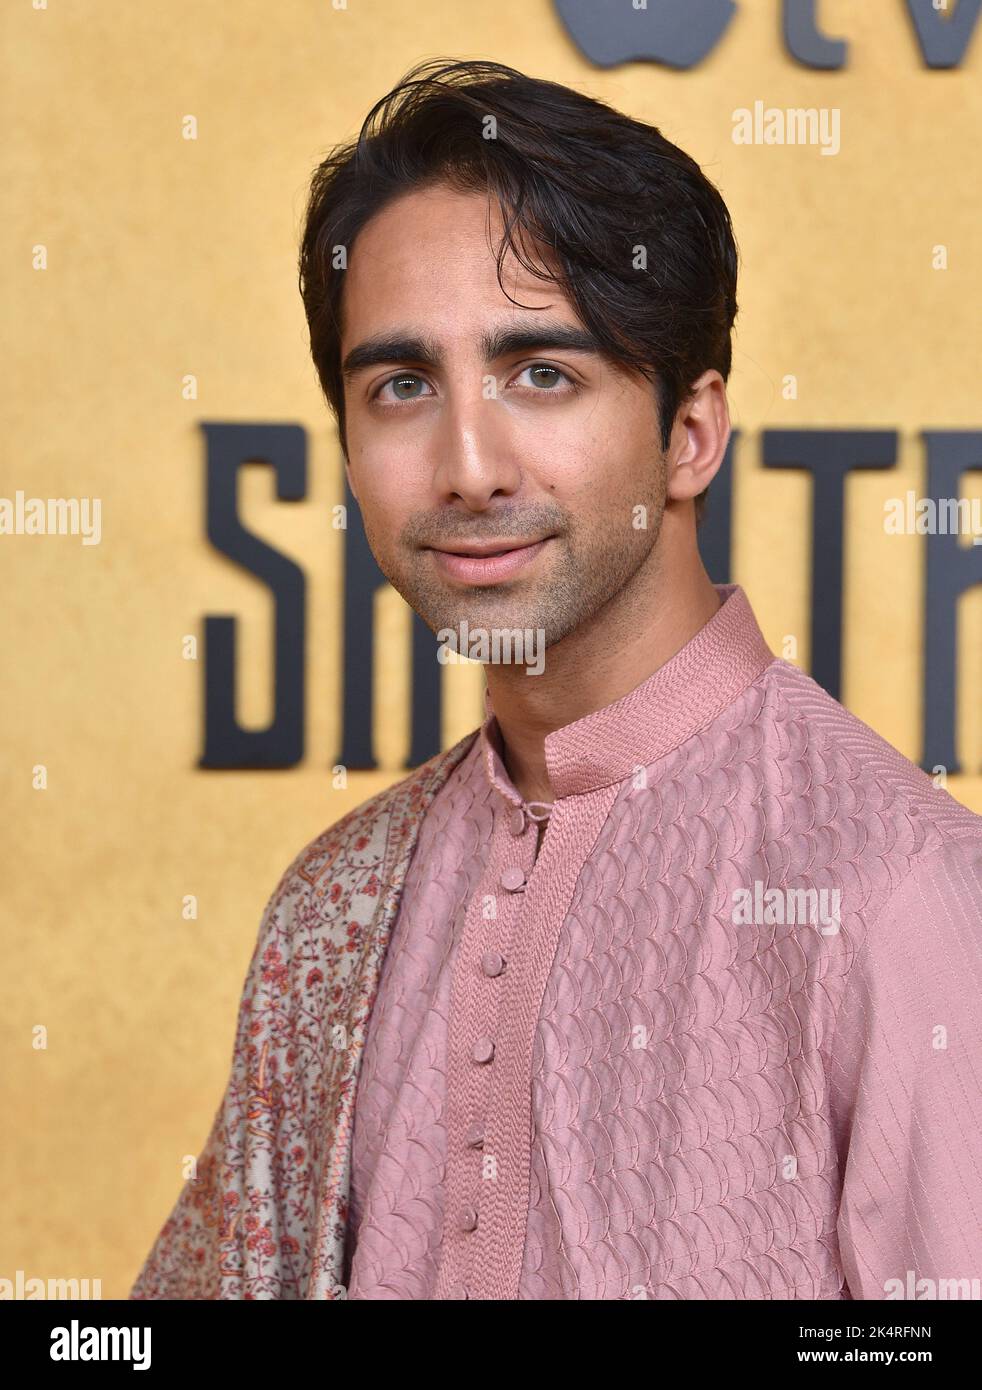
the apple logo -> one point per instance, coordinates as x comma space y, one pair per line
678, 33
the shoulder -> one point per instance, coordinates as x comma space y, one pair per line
857, 769
918, 964
936, 908
910, 1011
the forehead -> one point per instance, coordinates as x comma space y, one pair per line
430, 258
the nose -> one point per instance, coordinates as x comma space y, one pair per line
475, 455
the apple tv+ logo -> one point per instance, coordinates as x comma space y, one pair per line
681, 33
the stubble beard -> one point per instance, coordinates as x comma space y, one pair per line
580, 577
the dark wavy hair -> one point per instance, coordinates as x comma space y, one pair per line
590, 184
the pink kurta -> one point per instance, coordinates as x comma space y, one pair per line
720, 1038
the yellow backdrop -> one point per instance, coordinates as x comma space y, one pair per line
166, 258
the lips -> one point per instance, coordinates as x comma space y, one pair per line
487, 562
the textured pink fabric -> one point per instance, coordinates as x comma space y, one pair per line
602, 1081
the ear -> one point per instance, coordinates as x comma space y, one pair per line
699, 438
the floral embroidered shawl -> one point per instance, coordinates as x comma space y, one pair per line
267, 1213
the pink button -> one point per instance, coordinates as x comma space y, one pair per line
516, 821
492, 962
512, 879
459, 1291
483, 1049
468, 1219
474, 1138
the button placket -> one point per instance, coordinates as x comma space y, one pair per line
512, 878
492, 964
486, 949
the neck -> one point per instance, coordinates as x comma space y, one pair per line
651, 619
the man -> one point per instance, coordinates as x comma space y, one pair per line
665, 984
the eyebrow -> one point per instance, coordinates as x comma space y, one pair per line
497, 342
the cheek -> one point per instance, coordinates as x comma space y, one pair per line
383, 499
381, 445
609, 485
587, 470
388, 493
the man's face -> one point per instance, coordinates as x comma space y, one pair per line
462, 441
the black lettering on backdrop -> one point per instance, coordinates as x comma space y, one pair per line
681, 33
805, 43
828, 455
944, 33
952, 569
362, 579
284, 448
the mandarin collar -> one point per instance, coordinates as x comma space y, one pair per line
682, 697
